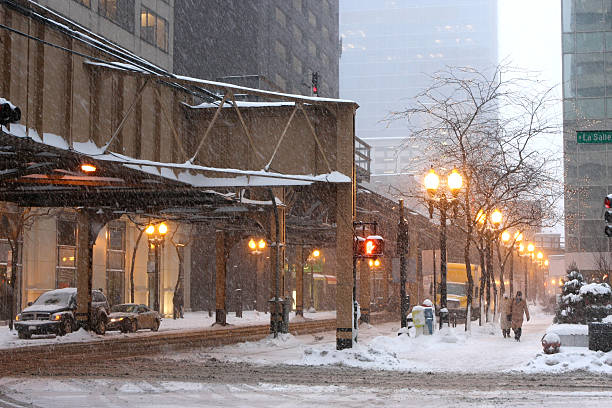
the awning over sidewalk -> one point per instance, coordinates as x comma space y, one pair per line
46, 172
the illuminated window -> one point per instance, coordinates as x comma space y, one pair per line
153, 29
120, 12
65, 275
115, 262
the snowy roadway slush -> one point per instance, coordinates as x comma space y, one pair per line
448, 369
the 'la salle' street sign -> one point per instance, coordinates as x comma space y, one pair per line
594, 136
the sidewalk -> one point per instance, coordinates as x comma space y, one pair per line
380, 348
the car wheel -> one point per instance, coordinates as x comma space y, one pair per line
133, 326
156, 326
24, 335
100, 326
66, 327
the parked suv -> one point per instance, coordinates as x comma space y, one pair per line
54, 313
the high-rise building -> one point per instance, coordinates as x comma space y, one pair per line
274, 44
587, 127
144, 27
389, 47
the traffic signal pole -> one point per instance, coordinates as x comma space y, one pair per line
403, 247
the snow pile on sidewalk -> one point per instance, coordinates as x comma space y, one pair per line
362, 356
566, 329
570, 359
385, 352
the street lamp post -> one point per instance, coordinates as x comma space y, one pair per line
436, 197
530, 249
490, 231
156, 234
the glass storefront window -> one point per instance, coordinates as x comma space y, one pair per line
65, 273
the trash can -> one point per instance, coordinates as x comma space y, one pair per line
429, 319
600, 336
429, 316
444, 317
418, 318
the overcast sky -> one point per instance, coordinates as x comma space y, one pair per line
530, 37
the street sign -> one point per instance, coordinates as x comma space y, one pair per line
594, 136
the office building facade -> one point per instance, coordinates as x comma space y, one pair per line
389, 48
274, 44
587, 127
144, 27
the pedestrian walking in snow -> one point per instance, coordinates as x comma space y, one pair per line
505, 317
519, 306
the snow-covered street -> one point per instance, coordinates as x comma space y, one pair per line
59, 393
451, 368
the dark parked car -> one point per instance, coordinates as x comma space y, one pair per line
130, 317
54, 313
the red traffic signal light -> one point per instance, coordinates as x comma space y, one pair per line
608, 201
371, 247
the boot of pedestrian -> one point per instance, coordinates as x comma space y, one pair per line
504, 333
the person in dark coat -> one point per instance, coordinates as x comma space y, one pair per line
519, 307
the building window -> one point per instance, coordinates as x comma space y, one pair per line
280, 50
115, 262
86, 3
312, 48
297, 33
312, 19
65, 276
297, 65
153, 29
280, 17
280, 82
120, 12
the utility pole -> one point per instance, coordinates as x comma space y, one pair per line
403, 245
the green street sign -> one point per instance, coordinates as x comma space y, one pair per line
594, 136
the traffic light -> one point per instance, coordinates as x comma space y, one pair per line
9, 114
608, 215
315, 83
370, 247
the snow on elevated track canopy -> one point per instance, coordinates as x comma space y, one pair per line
188, 173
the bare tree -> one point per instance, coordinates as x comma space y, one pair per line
484, 126
14, 220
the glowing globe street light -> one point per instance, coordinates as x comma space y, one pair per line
439, 198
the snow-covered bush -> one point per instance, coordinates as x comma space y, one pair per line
571, 306
597, 300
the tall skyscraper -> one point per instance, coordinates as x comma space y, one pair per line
587, 127
274, 44
389, 47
